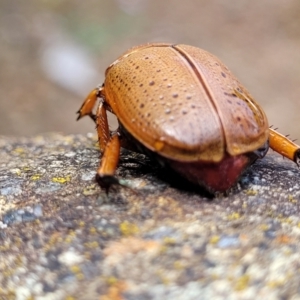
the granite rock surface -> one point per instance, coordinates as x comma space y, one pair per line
62, 237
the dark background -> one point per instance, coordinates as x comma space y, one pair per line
53, 52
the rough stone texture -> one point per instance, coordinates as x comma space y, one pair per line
61, 237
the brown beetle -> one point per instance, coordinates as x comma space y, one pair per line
181, 105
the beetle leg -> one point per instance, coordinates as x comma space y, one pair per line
105, 173
89, 103
284, 146
102, 127
110, 145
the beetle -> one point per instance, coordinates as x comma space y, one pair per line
183, 107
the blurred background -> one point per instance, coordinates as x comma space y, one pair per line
53, 52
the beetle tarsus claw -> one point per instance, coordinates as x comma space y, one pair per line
93, 117
79, 115
297, 158
105, 181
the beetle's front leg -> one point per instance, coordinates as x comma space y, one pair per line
110, 149
89, 103
109, 162
102, 127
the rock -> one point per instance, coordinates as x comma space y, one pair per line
61, 236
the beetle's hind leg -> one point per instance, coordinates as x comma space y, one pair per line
284, 146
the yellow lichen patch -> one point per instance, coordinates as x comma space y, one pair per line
127, 228
89, 190
242, 282
70, 237
169, 241
25, 169
75, 269
19, 150
93, 230
292, 199
178, 265
61, 179
282, 219
92, 245
55, 238
234, 216
163, 249
251, 192
162, 201
111, 280
264, 227
276, 283
36, 177
214, 239
81, 223
77, 272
